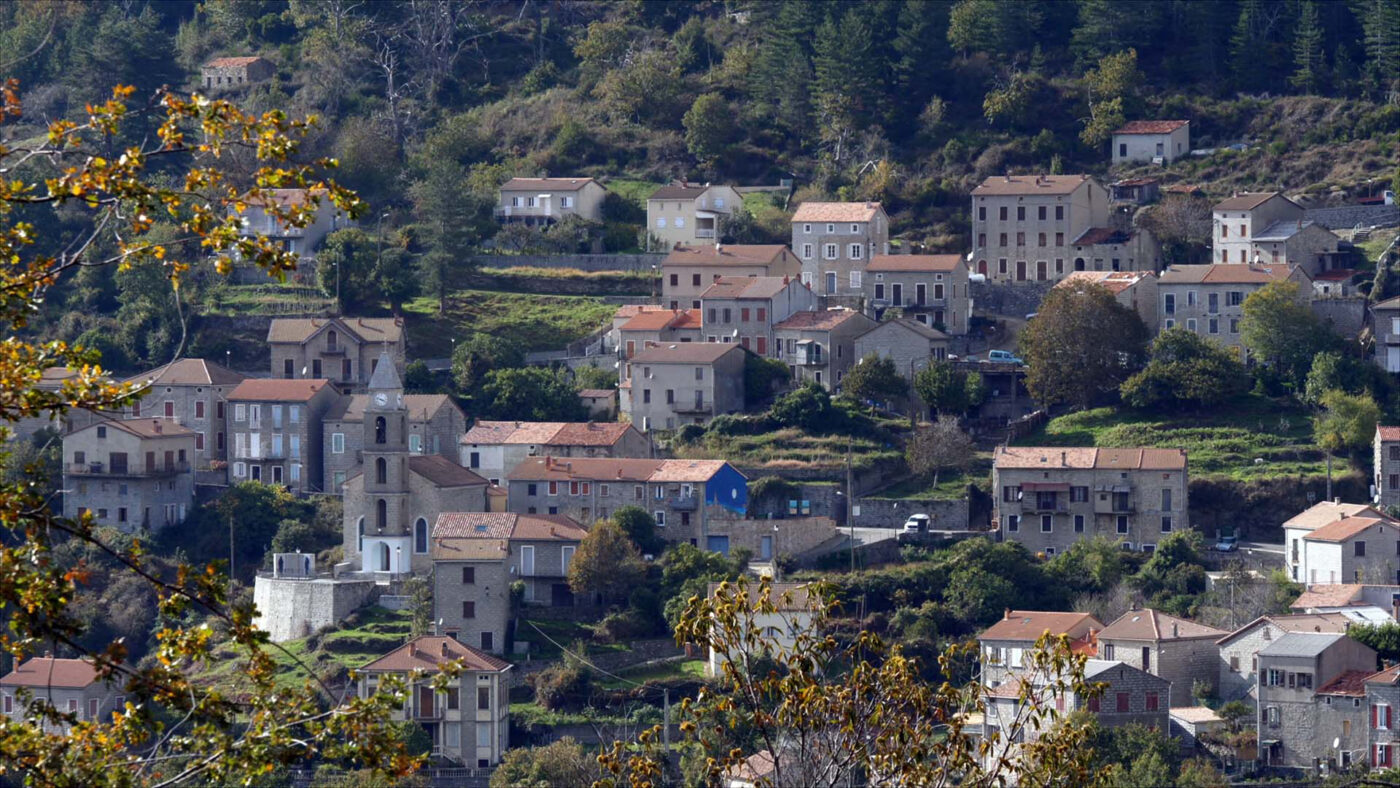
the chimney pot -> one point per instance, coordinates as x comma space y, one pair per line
1007, 614
444, 648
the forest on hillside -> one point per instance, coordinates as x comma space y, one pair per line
430, 104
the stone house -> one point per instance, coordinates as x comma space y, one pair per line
930, 288
260, 219
669, 386
1208, 300
435, 424
1341, 719
1114, 249
1268, 228
911, 345
469, 723
477, 556
795, 610
1158, 141
194, 393
1349, 598
277, 432
658, 327
689, 214
1361, 548
1309, 520
1180, 651
1023, 226
1190, 723
1385, 323
743, 310
70, 686
1049, 498
1383, 726
134, 474
1135, 191
1127, 696
769, 539
1291, 670
601, 404
1239, 650
542, 201
1385, 453
835, 241
222, 73
820, 346
688, 271
493, 448
343, 349
682, 495
1005, 644
1136, 290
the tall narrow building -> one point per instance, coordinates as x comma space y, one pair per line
387, 541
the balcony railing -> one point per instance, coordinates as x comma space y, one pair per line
704, 233
102, 469
333, 350
688, 503
694, 408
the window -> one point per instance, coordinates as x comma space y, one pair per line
1001, 213
1079, 523
240, 470
337, 443
1380, 716
1360, 549
1235, 664
415, 444
468, 575
856, 251
1013, 523
420, 536
806, 251
1122, 702
1213, 326
830, 229
1059, 239
1166, 525
829, 251
1272, 717
981, 213
1020, 239
1122, 524
855, 277
807, 228
554, 488
660, 518
1047, 523
468, 610
1059, 213
1002, 238
1040, 239
1092, 704
483, 698
1151, 701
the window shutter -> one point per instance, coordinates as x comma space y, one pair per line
1374, 709
1387, 717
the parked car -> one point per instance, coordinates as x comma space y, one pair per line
1227, 544
1003, 357
916, 524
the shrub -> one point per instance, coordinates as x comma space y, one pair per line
562, 687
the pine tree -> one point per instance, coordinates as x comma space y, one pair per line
1380, 23
1245, 55
1307, 50
920, 46
782, 71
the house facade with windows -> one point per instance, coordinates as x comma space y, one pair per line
1137, 290
260, 219
542, 201
223, 73
1048, 498
194, 393
1023, 226
1362, 548
1179, 650
435, 424
658, 327
1269, 228
1385, 324
1319, 515
835, 241
688, 214
910, 344
1004, 645
1292, 714
469, 723
477, 556
276, 432
743, 310
795, 611
668, 386
134, 474
930, 288
1208, 300
1115, 249
1385, 454
1126, 696
1151, 140
689, 271
820, 346
69, 686
682, 495
1382, 698
343, 349
493, 448
1239, 650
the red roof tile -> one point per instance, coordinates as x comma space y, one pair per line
1352, 682
915, 262
427, 652
278, 389
684, 353
814, 320
730, 254
1031, 624
1150, 126
1389, 433
51, 672
836, 211
1347, 528
443, 472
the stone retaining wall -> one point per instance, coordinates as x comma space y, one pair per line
1016, 299
583, 262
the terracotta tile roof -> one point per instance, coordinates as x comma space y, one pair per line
1320, 622
504, 525
1389, 433
1049, 457
51, 672
278, 389
813, 320
908, 324
420, 407
652, 321
756, 767
1245, 201
687, 470
1351, 682
512, 432
1150, 126
230, 62
1009, 689
1335, 275
144, 427
1114, 281
728, 254
1347, 528
1225, 273
1011, 185
543, 528
1328, 595
1031, 624
786, 597
551, 184
933, 263
1387, 676
678, 191
628, 311
1141, 459
366, 329
603, 469
1097, 236
443, 472
836, 211
689, 318
746, 287
593, 433
190, 372
1150, 624
684, 353
1195, 715
427, 652
1324, 512
597, 393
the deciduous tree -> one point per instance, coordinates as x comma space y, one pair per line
1347, 422
943, 445
532, 394
606, 563
1279, 329
1185, 371
1081, 345
875, 378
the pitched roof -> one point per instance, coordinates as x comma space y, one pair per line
1388, 433
814, 320
1281, 231
679, 191
504, 525
684, 353
552, 184
443, 472
1195, 714
1031, 624
687, 470
927, 332
1225, 273
836, 211
1097, 236
746, 287
1150, 126
549, 433
1387, 676
1319, 622
627, 311
592, 433
1328, 595
1006, 185
597, 393
1113, 281
1150, 624
603, 469
1324, 512
1056, 457
284, 198
1141, 459
933, 263
1301, 644
1389, 303
725, 254
1347, 528
366, 329
51, 672
189, 372
1351, 682
754, 768
278, 389
786, 597
419, 406
230, 62
1245, 201
427, 652
144, 427
385, 376
653, 321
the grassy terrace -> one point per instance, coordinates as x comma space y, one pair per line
788, 448
633, 191
1223, 442
272, 298
537, 322
951, 484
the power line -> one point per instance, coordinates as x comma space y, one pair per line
585, 661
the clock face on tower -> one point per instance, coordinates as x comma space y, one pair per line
381, 399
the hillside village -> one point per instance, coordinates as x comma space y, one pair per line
1133, 417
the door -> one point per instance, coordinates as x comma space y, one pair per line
527, 561
1020, 270
117, 460
765, 549
920, 294
897, 295
717, 544
383, 557
256, 471
1040, 270
831, 283
488, 641
763, 346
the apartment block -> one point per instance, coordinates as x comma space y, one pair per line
929, 288
277, 432
134, 474
1385, 324
1268, 228
910, 344
835, 241
69, 686
820, 346
688, 271
342, 349
1023, 226
1208, 300
1239, 650
669, 386
743, 310
1179, 650
493, 448
1005, 644
194, 393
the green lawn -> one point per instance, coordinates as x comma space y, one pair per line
1224, 441
537, 322
271, 298
633, 191
951, 484
688, 669
788, 448
1380, 239
565, 633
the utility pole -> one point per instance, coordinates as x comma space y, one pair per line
230, 551
1329, 475
851, 504
666, 722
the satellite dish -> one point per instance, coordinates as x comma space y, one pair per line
736, 333
1337, 743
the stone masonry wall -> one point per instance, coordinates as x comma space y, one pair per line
583, 262
1011, 300
290, 609
947, 515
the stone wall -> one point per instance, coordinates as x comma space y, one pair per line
290, 609
584, 286
1008, 299
583, 262
1346, 315
947, 515
791, 536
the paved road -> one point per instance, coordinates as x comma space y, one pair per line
1262, 547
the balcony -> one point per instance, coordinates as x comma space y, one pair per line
683, 503
698, 408
333, 350
127, 471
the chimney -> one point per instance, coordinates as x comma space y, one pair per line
1337, 500
719, 248
1007, 615
1174, 629
444, 647
155, 424
1064, 457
